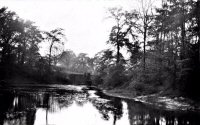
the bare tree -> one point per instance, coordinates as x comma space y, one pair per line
145, 18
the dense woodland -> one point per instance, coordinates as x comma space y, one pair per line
163, 45
19, 48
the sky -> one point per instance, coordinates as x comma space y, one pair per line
85, 22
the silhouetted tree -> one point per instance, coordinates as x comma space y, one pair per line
18, 42
120, 31
54, 38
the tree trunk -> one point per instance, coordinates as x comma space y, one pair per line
118, 46
6, 52
198, 25
183, 48
50, 57
118, 52
50, 51
144, 47
23, 52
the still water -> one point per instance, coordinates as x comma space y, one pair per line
79, 105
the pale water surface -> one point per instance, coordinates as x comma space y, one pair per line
79, 105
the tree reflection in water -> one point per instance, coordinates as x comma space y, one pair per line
57, 106
140, 114
6, 102
113, 106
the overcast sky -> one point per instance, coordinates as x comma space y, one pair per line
84, 21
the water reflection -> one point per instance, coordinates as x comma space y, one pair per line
50, 106
140, 114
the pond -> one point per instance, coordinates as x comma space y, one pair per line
80, 105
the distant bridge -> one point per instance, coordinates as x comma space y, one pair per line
79, 78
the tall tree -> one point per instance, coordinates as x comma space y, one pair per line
19, 41
145, 18
54, 37
9, 31
196, 25
28, 43
119, 33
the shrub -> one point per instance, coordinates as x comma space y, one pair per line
116, 76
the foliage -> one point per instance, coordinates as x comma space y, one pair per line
116, 76
120, 32
171, 48
76, 64
19, 48
55, 44
163, 46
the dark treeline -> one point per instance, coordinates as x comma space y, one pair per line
163, 45
19, 49
164, 48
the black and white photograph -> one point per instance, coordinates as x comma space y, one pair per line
99, 62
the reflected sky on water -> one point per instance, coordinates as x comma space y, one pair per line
60, 106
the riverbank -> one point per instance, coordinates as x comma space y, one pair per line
20, 80
159, 100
